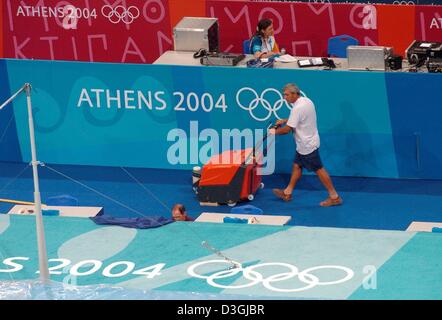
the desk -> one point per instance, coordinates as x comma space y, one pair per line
185, 58
65, 211
259, 219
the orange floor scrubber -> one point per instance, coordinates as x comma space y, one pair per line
230, 177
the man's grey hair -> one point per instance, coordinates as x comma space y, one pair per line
293, 88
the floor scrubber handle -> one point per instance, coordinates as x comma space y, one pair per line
270, 126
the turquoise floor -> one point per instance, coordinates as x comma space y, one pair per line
276, 262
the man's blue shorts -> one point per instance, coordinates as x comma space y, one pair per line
311, 161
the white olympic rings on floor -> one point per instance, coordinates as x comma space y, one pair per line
255, 277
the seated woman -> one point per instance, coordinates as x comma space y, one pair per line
262, 43
179, 213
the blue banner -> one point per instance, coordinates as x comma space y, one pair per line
175, 117
9, 146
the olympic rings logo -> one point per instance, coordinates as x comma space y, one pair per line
411, 3
255, 277
259, 100
120, 13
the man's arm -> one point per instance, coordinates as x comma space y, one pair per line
281, 130
260, 55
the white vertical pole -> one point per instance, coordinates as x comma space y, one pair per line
42, 254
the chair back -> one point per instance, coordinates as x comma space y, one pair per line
246, 47
337, 46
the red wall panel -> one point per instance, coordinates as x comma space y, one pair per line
1, 29
396, 26
139, 31
302, 28
429, 23
100, 30
179, 9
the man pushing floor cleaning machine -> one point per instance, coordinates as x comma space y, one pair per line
231, 177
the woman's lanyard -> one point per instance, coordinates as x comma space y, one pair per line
267, 45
